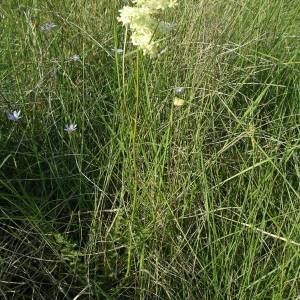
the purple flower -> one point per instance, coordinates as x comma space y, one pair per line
179, 90
118, 51
14, 116
70, 128
48, 26
75, 57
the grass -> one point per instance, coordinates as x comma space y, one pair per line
147, 200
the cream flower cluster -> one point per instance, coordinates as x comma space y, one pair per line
156, 4
142, 23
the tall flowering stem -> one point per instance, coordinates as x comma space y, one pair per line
142, 23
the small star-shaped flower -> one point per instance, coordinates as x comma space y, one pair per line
118, 51
70, 128
48, 26
75, 57
179, 90
14, 116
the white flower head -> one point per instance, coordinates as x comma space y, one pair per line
70, 128
14, 116
48, 26
118, 50
179, 90
75, 57
134, 16
143, 23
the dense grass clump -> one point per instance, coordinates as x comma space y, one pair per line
147, 200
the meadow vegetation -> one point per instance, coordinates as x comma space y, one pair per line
145, 199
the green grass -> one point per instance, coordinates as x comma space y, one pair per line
147, 200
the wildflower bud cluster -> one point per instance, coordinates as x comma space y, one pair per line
141, 21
